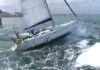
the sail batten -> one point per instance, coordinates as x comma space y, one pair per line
35, 13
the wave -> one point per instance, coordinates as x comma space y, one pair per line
9, 50
91, 56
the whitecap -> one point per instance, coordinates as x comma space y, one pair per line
83, 43
90, 57
13, 48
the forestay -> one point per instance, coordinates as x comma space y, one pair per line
36, 15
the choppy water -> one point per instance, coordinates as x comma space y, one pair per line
57, 55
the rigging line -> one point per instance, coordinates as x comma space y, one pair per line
74, 14
46, 3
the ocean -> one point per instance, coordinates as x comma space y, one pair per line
60, 54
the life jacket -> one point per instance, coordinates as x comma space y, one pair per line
19, 40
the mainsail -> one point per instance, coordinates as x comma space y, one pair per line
36, 14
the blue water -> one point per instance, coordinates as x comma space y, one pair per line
57, 55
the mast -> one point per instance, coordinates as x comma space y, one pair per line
74, 14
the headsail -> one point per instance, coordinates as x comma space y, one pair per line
35, 13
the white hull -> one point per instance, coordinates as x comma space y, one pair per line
57, 32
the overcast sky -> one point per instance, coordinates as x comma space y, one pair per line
58, 6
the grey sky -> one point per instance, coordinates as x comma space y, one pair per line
79, 6
58, 6
10, 5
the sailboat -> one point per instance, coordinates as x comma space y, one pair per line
39, 26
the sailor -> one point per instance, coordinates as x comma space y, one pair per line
18, 39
